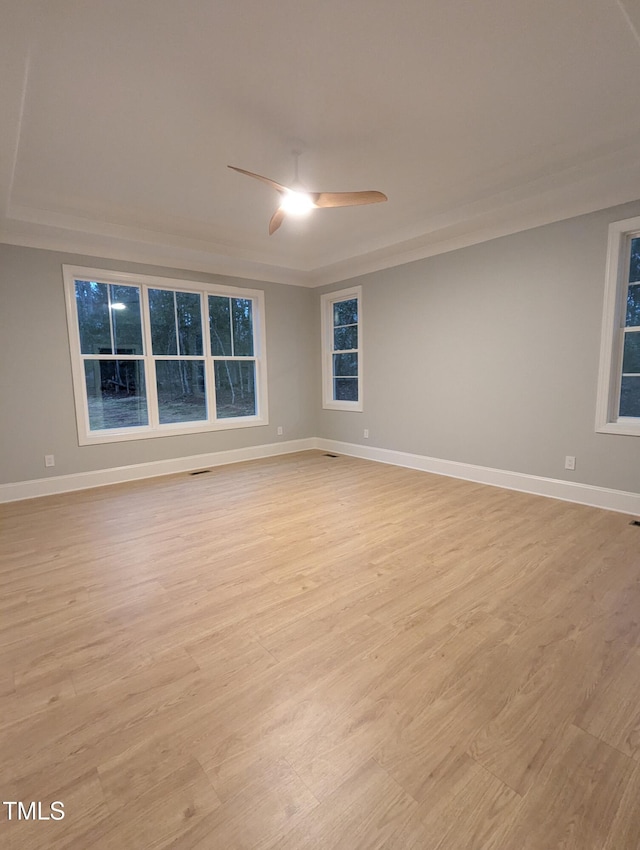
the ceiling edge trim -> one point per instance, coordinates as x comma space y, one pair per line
595, 194
492, 224
47, 237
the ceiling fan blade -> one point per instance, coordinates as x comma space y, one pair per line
277, 186
346, 199
276, 220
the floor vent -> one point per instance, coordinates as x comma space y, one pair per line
200, 472
635, 522
331, 455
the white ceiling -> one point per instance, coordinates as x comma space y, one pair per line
119, 118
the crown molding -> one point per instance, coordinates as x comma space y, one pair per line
153, 250
577, 191
555, 198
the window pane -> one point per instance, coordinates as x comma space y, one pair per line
633, 306
220, 325
189, 323
345, 364
634, 265
345, 312
630, 396
92, 302
344, 338
235, 388
115, 393
125, 316
181, 393
242, 327
163, 321
631, 359
345, 389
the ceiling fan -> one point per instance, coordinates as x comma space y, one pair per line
295, 201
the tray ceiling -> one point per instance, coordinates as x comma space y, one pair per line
475, 119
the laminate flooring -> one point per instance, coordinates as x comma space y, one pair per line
318, 652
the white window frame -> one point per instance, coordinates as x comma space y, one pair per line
86, 436
327, 302
613, 331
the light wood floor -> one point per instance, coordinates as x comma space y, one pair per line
315, 652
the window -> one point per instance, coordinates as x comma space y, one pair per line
619, 381
342, 349
154, 357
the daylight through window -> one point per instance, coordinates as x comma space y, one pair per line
619, 384
342, 349
154, 357
630, 383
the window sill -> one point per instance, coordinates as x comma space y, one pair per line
629, 429
118, 435
354, 406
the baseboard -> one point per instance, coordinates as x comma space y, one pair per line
567, 491
120, 474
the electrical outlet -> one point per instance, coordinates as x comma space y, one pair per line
279, 431
569, 462
49, 460
366, 433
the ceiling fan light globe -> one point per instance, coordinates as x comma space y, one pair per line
297, 203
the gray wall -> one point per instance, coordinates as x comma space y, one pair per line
489, 355
36, 395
